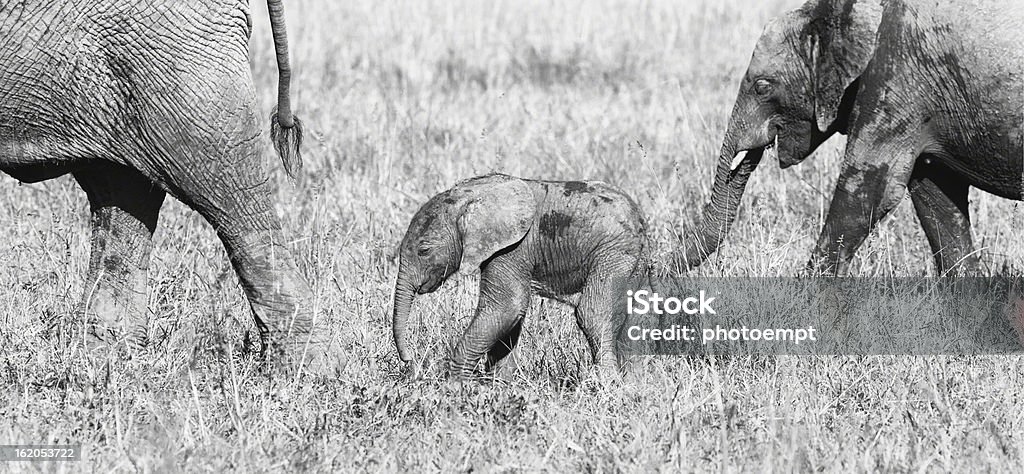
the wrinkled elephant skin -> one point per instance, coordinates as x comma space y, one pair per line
552, 238
137, 99
928, 93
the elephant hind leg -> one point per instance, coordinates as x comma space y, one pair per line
124, 208
212, 159
940, 200
595, 313
230, 187
236, 200
505, 344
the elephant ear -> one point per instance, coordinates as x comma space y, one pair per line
496, 215
842, 37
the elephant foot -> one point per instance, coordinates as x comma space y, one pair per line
302, 349
98, 343
606, 371
301, 344
461, 370
130, 340
102, 344
314, 358
612, 376
322, 362
478, 378
598, 379
97, 352
411, 370
113, 324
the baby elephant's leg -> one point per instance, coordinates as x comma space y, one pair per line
505, 344
595, 319
595, 312
494, 330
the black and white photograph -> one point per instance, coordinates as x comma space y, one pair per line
511, 236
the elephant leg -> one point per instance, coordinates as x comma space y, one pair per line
873, 180
124, 206
505, 345
940, 200
279, 297
594, 317
214, 163
504, 299
595, 312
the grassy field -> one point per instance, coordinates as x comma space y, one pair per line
404, 98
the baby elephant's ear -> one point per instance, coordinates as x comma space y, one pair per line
496, 216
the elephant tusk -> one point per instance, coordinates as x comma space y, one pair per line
739, 159
774, 148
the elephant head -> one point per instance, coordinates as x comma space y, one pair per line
798, 90
458, 229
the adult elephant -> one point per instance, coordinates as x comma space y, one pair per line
930, 94
141, 98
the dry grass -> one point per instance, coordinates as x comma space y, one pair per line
403, 99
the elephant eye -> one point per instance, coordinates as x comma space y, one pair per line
423, 251
762, 86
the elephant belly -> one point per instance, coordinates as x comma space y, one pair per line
992, 162
559, 284
990, 156
36, 172
1001, 178
976, 91
40, 158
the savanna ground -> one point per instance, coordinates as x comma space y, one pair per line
404, 98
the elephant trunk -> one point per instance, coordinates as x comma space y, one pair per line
285, 128
731, 177
400, 316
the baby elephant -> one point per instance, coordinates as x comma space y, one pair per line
553, 238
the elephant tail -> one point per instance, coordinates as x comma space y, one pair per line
285, 128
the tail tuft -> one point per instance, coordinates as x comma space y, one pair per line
287, 140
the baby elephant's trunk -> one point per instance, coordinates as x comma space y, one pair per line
400, 316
